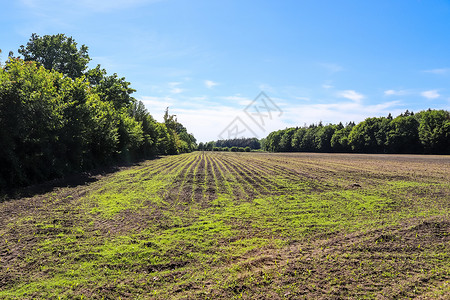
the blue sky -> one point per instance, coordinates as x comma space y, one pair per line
326, 61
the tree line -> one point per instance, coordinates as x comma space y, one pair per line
234, 145
424, 132
58, 117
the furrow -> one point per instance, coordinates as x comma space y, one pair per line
243, 178
177, 178
186, 185
251, 175
265, 178
226, 170
220, 177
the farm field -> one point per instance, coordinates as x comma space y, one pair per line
236, 225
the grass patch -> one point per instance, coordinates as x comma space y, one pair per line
224, 225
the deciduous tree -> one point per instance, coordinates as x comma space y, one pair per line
57, 52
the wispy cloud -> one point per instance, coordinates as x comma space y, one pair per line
88, 5
243, 101
431, 94
207, 121
267, 88
210, 84
332, 67
204, 121
441, 71
343, 111
174, 87
174, 83
303, 98
157, 105
197, 98
327, 86
108, 5
395, 92
351, 94
176, 90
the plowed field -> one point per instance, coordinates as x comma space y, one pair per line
236, 225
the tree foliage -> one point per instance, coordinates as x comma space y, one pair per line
57, 52
424, 132
54, 123
111, 88
253, 143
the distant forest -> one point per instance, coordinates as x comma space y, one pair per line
426, 132
58, 117
235, 145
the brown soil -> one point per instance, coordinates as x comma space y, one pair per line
405, 260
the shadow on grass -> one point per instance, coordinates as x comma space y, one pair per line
70, 181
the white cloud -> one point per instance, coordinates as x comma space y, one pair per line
207, 119
431, 94
344, 112
395, 92
327, 86
206, 122
332, 67
89, 5
174, 87
351, 94
198, 98
267, 88
303, 98
176, 90
107, 5
243, 101
438, 71
157, 105
211, 123
174, 84
210, 84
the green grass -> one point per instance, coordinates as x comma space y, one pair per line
236, 226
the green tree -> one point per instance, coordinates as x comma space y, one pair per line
369, 136
163, 139
297, 138
272, 143
323, 138
57, 52
102, 132
184, 142
434, 130
253, 143
148, 124
31, 117
285, 144
403, 136
308, 142
209, 146
52, 124
131, 137
408, 133
111, 88
339, 140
